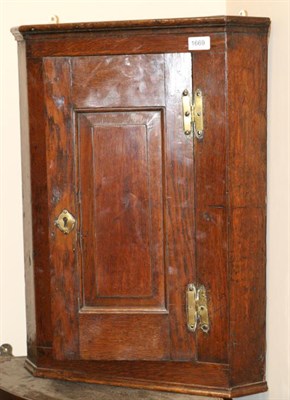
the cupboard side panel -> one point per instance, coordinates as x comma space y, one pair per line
37, 273
211, 213
26, 204
247, 95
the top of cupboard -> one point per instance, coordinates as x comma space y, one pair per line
209, 24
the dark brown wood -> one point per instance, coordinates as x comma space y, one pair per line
179, 206
128, 193
247, 204
61, 195
16, 383
199, 22
211, 213
130, 233
131, 43
5, 395
209, 377
208, 374
38, 309
155, 209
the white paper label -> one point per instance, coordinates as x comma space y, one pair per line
199, 43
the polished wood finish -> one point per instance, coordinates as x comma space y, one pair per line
155, 209
211, 206
247, 204
214, 22
16, 383
126, 199
128, 239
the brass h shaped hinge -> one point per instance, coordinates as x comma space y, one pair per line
196, 305
193, 113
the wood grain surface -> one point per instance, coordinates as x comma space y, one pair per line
198, 22
155, 209
121, 202
16, 383
247, 130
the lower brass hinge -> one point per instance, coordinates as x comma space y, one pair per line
193, 113
197, 311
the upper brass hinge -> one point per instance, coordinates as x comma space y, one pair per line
193, 113
197, 311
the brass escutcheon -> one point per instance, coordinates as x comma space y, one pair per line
65, 222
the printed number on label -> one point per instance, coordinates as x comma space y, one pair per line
199, 43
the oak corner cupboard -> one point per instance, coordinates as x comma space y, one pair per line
144, 179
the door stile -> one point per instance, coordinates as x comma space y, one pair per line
179, 169
62, 197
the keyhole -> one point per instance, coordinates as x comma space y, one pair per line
65, 220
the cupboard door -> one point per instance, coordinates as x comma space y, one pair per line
119, 162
